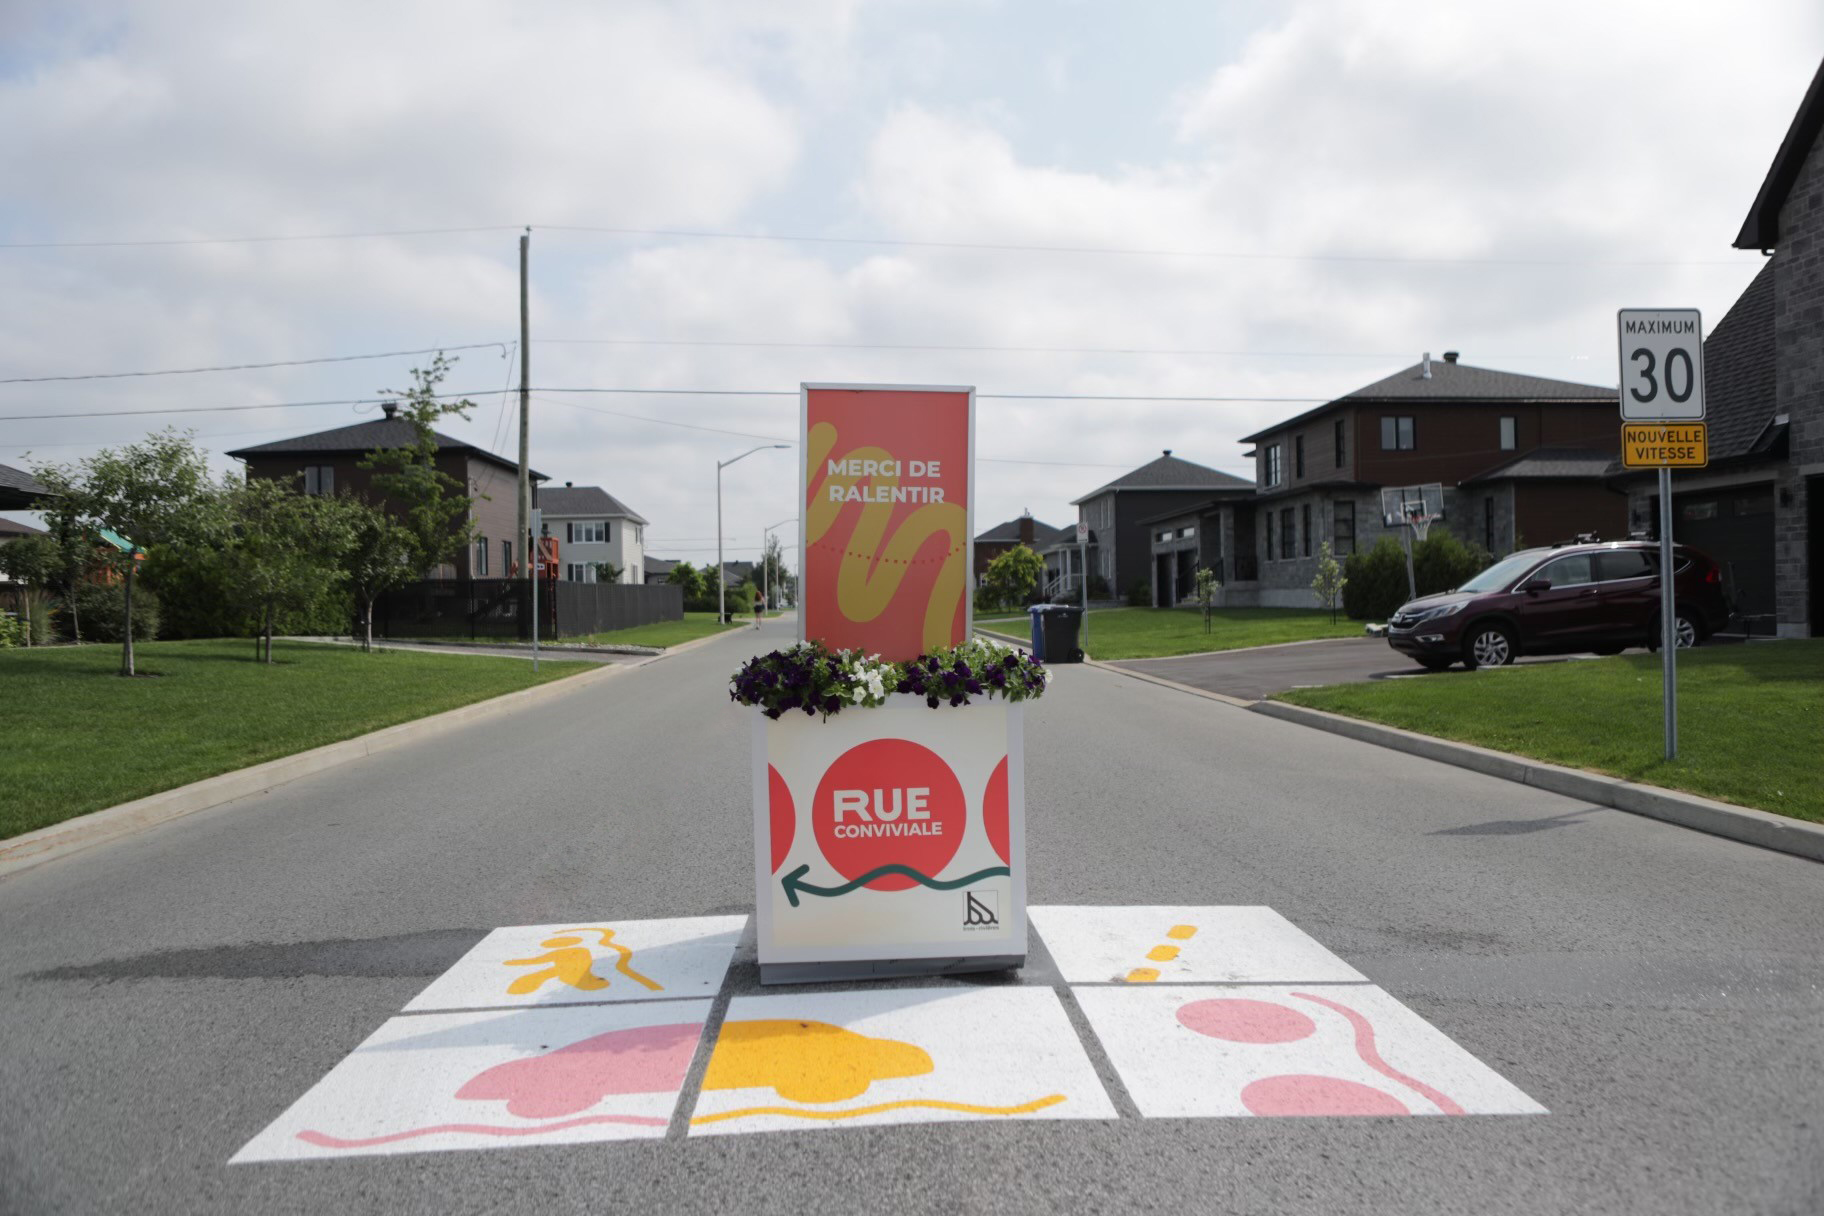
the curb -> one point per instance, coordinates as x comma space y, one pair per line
1743, 824
97, 827
1174, 685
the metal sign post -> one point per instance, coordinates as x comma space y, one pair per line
1662, 380
1083, 574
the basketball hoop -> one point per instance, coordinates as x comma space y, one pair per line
1414, 508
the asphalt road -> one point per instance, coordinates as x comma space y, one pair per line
164, 998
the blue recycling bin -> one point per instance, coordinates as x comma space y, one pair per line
1037, 613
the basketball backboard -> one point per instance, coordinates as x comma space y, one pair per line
1412, 506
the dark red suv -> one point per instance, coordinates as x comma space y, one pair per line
1571, 598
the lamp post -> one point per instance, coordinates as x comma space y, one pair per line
721, 578
766, 552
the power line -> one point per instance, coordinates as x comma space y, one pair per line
255, 240
1017, 350
241, 367
689, 426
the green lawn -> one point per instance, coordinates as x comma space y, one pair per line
1750, 718
664, 633
1150, 633
75, 737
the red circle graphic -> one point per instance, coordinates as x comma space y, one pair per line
781, 816
900, 804
994, 812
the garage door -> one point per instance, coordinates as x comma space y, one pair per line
1735, 527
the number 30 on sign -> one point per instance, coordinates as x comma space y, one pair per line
1662, 365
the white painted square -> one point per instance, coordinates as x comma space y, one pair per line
853, 1059
573, 963
446, 1081
1224, 945
1310, 1049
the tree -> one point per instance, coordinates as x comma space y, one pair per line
433, 507
1330, 580
1207, 587
607, 572
770, 575
377, 556
690, 579
155, 492
1010, 578
283, 551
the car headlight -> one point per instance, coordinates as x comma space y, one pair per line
1439, 613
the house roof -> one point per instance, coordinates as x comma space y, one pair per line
1453, 382
378, 435
11, 528
568, 500
1170, 472
1042, 533
658, 565
18, 489
1739, 391
1761, 230
1549, 464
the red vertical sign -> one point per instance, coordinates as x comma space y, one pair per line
888, 476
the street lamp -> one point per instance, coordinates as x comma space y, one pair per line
721, 577
766, 552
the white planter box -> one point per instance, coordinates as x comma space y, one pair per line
890, 841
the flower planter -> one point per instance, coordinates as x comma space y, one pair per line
890, 841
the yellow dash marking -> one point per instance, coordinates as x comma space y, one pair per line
967, 1108
1162, 954
1181, 932
1142, 975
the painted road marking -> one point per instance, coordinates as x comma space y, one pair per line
588, 961
441, 1081
1185, 945
1211, 1051
845, 1059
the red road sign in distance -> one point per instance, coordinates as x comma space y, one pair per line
887, 493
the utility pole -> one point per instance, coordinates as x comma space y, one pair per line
526, 545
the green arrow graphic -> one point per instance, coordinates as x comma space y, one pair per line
794, 882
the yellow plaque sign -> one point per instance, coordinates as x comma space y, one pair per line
1671, 445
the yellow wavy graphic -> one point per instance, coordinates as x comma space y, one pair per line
623, 964
869, 574
855, 1112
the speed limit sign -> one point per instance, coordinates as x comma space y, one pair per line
1662, 365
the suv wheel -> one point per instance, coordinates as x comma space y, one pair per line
1488, 645
1689, 634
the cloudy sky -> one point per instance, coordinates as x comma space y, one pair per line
1156, 198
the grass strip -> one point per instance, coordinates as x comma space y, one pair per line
76, 737
1750, 718
1152, 633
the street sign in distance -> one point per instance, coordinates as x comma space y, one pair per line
1662, 364
1082, 533
1670, 445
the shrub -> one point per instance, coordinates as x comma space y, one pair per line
197, 600
1377, 579
1139, 594
104, 610
740, 599
1444, 563
1098, 587
12, 631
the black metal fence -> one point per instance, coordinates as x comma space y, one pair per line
502, 609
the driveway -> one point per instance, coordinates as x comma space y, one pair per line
1261, 671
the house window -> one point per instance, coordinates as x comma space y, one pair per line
1285, 533
579, 572
586, 532
1270, 474
1396, 435
1488, 522
1163, 534
1339, 443
1186, 532
1305, 525
1268, 550
1298, 456
481, 557
506, 556
1509, 434
319, 479
1342, 530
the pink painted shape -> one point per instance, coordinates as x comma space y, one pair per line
1304, 1094
325, 1140
1245, 1021
1364, 1047
642, 1060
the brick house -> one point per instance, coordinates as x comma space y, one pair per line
329, 462
1119, 516
1758, 508
1521, 460
591, 526
1026, 531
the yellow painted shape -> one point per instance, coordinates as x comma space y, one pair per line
624, 963
1181, 932
968, 1108
808, 1061
1162, 954
567, 963
1142, 975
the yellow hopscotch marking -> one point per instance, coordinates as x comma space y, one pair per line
967, 1108
1161, 954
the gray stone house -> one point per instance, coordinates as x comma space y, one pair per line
1120, 516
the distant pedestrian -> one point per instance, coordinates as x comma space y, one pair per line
759, 607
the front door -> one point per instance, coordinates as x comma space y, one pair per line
1566, 615
1162, 580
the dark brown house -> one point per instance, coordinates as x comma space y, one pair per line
1025, 530
1521, 460
329, 462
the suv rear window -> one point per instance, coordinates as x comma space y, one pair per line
1617, 564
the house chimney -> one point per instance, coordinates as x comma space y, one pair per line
1168, 451
1026, 528
1425, 367
389, 408
568, 484
1450, 356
